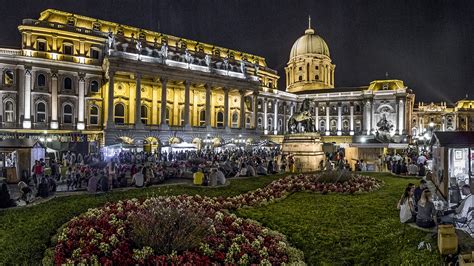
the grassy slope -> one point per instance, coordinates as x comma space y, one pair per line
331, 228
361, 229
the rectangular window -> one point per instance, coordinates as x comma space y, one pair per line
94, 120
67, 49
41, 45
95, 54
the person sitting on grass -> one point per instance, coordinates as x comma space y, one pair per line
251, 170
43, 188
138, 179
425, 217
92, 184
25, 192
5, 199
220, 177
418, 191
198, 177
104, 182
413, 170
406, 206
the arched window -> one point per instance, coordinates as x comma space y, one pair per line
202, 117
67, 114
259, 105
345, 109
259, 123
181, 116
144, 114
247, 121
9, 111
119, 113
40, 112
270, 124
8, 77
316, 77
322, 125
235, 119
357, 107
345, 125
300, 78
67, 83
220, 119
358, 126
333, 125
94, 115
94, 87
280, 124
41, 80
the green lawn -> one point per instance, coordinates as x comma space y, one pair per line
336, 229
360, 229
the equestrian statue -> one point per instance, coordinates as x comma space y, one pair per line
302, 121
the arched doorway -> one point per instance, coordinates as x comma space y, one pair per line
151, 145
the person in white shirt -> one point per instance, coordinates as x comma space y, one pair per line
463, 209
463, 212
138, 179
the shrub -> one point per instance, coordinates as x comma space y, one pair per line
167, 229
335, 176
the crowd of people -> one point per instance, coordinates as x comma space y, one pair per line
99, 173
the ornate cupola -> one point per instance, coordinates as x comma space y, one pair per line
309, 67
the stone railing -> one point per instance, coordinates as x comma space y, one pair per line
9, 51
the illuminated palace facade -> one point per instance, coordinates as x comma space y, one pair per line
91, 82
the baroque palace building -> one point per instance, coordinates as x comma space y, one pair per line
82, 83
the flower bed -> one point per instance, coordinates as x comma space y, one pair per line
106, 235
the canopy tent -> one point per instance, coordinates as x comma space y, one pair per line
183, 146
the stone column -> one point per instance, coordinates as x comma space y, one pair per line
110, 104
328, 126
226, 108
242, 109
81, 109
339, 119
265, 118
27, 110
208, 106
284, 126
186, 104
138, 102
368, 117
352, 120
372, 116
254, 108
316, 119
54, 101
275, 118
401, 126
163, 104
443, 122
397, 117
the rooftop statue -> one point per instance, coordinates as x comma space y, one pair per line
110, 41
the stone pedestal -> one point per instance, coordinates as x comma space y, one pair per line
306, 149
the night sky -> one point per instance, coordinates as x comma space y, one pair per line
428, 44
